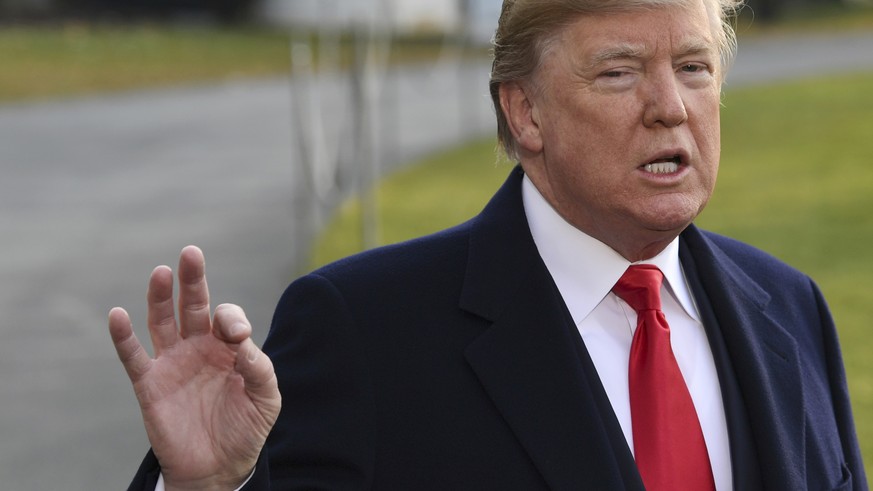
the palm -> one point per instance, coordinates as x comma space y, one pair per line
196, 409
209, 398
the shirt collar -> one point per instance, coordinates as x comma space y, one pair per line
585, 269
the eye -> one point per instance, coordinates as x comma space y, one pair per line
613, 74
692, 68
617, 78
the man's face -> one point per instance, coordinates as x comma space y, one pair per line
625, 125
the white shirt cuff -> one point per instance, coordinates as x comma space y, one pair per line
160, 485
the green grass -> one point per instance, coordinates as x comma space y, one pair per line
74, 59
436, 193
77, 59
796, 180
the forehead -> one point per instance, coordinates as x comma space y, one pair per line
679, 29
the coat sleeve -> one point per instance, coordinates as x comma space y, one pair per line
146, 477
840, 396
323, 438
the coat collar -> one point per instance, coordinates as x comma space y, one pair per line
764, 355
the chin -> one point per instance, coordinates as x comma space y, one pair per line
668, 223
671, 214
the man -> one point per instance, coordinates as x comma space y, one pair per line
510, 352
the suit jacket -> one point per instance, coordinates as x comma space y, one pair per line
451, 363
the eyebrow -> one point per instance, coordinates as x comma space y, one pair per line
618, 52
696, 47
635, 51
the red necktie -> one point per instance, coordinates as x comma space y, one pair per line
668, 443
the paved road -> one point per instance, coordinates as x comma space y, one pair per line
97, 191
774, 59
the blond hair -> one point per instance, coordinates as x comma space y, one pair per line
527, 28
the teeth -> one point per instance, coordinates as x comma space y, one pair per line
662, 167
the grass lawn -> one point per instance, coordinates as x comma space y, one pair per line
76, 59
796, 180
73, 59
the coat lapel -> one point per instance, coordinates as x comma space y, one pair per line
764, 357
531, 361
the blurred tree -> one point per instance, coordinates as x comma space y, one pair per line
226, 11
23, 9
768, 11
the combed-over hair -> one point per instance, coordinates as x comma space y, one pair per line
527, 27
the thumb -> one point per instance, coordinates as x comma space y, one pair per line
258, 374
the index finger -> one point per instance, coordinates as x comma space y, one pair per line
131, 353
193, 293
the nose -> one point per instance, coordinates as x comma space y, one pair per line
663, 102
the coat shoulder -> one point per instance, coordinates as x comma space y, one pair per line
416, 258
762, 266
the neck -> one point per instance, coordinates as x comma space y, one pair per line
637, 252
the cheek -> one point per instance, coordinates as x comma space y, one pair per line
707, 136
712, 150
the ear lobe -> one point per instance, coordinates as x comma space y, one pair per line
521, 116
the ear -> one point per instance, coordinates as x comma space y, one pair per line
521, 115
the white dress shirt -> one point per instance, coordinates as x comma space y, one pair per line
585, 270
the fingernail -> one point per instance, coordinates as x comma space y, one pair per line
237, 329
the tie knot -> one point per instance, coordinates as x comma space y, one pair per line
640, 287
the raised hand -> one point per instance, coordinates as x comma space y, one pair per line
209, 397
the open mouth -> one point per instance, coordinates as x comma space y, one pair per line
664, 166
